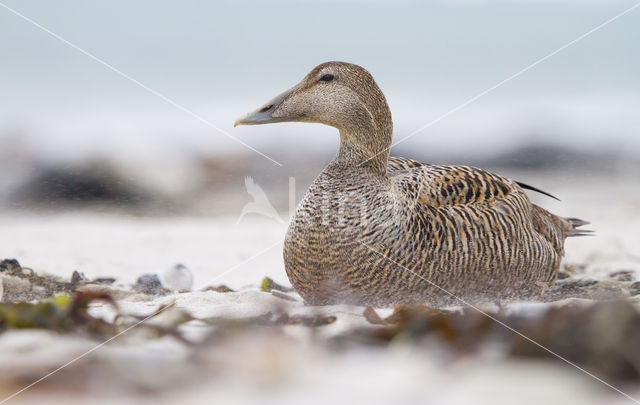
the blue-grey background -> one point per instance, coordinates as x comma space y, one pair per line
222, 59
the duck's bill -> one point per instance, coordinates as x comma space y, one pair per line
264, 114
257, 117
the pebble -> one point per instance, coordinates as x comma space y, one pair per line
177, 278
148, 284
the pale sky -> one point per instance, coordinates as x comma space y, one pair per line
220, 60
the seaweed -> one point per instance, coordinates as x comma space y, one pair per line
600, 337
271, 319
463, 330
268, 284
62, 313
219, 288
623, 275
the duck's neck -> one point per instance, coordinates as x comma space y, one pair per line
353, 154
366, 144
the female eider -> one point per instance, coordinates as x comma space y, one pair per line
380, 230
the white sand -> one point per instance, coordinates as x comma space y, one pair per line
216, 250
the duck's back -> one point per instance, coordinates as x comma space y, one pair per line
469, 190
484, 233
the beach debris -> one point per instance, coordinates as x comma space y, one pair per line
66, 313
62, 313
570, 270
272, 319
104, 280
601, 337
372, 316
9, 265
12, 267
165, 320
149, 284
586, 288
219, 288
268, 284
623, 275
309, 320
177, 278
23, 284
283, 296
598, 336
14, 289
77, 277
462, 330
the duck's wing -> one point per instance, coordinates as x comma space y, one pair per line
476, 195
441, 186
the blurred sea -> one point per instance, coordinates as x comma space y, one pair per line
62, 111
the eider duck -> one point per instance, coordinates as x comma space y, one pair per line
380, 230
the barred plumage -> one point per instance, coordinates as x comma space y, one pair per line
378, 230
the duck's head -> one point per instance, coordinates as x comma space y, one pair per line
339, 94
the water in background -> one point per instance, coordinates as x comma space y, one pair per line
59, 107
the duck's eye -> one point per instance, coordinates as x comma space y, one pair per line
327, 78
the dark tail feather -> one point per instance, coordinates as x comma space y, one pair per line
537, 190
575, 224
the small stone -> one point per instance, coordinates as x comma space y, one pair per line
148, 284
77, 277
177, 278
9, 265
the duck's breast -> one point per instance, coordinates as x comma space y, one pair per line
327, 238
